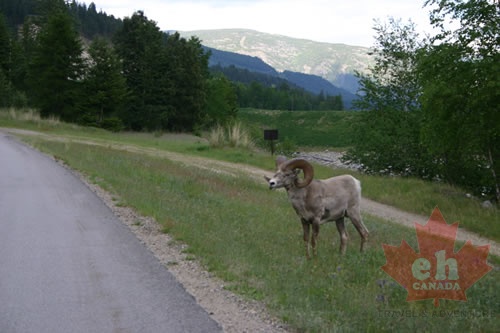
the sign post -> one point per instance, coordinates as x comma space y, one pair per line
271, 135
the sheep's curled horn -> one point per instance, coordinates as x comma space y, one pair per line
305, 166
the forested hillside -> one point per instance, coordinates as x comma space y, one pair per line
121, 74
432, 104
265, 74
90, 22
270, 92
335, 63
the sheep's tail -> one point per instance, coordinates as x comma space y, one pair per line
357, 186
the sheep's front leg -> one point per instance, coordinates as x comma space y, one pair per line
306, 227
314, 241
343, 235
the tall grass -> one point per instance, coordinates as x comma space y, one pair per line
28, 115
250, 237
232, 135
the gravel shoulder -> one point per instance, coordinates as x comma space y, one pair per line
231, 311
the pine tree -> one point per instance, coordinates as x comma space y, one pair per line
105, 86
140, 45
57, 68
188, 68
5, 64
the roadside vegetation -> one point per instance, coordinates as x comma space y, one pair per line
429, 104
251, 238
303, 129
234, 144
443, 128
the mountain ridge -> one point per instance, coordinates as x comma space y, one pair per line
311, 83
333, 62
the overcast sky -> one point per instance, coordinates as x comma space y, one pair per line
332, 21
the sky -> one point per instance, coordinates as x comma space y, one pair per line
332, 21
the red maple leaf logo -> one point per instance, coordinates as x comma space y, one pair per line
437, 271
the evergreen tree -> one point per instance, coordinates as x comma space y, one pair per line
188, 68
140, 45
166, 76
10, 69
5, 64
56, 69
16, 11
105, 86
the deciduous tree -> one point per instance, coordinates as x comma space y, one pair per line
388, 139
460, 75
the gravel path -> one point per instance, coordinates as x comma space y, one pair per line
232, 312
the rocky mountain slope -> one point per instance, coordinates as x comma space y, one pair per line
333, 62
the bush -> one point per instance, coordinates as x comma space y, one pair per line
112, 124
286, 147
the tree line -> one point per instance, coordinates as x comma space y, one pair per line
264, 91
433, 102
128, 75
71, 61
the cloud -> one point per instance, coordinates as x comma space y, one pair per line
348, 22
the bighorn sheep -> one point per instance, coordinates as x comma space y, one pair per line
320, 201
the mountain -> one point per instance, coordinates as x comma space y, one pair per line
333, 62
317, 84
308, 82
226, 59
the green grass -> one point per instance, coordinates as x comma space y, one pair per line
250, 237
304, 128
409, 194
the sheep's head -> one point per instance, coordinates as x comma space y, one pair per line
287, 173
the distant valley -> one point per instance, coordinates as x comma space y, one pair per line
314, 66
335, 63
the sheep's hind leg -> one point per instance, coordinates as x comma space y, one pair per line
355, 217
343, 235
306, 226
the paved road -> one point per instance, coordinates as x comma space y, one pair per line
68, 265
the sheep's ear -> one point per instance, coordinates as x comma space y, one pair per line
267, 178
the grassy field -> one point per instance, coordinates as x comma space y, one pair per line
304, 128
335, 129
250, 237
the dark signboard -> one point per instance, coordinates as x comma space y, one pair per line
271, 134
